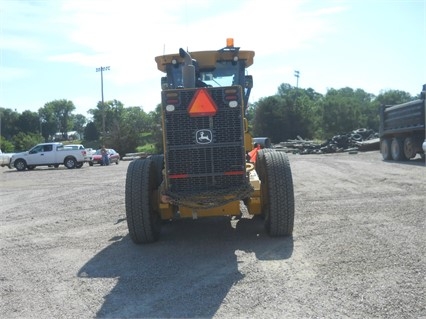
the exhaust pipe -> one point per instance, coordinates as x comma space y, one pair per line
188, 70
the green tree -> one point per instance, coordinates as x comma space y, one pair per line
57, 112
79, 122
6, 146
345, 110
154, 125
271, 119
128, 127
49, 125
91, 133
8, 122
23, 142
290, 113
393, 97
28, 122
102, 116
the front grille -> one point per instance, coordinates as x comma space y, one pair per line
194, 168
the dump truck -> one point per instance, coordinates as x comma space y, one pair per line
203, 171
402, 129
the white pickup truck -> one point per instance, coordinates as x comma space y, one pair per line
48, 154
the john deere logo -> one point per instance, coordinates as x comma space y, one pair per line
204, 136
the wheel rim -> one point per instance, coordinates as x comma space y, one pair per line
20, 165
70, 163
409, 148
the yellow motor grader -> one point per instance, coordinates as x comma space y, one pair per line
204, 170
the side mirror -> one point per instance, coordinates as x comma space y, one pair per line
164, 83
248, 81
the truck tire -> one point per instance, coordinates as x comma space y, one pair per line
397, 149
158, 161
409, 148
20, 164
259, 165
70, 162
260, 169
277, 194
143, 220
385, 149
79, 165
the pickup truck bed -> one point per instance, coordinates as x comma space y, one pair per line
5, 159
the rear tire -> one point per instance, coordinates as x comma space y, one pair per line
158, 161
79, 165
409, 148
143, 219
277, 194
385, 149
397, 149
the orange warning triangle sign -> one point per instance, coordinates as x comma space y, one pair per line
202, 104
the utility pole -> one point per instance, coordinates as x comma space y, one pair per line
102, 69
297, 74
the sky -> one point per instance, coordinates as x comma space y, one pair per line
50, 49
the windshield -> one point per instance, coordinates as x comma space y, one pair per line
225, 73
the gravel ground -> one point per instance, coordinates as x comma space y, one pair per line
358, 249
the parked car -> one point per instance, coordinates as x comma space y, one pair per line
113, 156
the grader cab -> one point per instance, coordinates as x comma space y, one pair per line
204, 170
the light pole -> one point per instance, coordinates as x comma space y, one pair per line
102, 69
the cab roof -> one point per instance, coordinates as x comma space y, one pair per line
206, 59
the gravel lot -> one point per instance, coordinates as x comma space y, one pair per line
358, 249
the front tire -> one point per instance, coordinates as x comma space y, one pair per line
261, 170
277, 194
143, 218
20, 165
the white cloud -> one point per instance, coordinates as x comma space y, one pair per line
127, 35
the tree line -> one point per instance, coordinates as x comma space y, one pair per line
291, 112
304, 112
